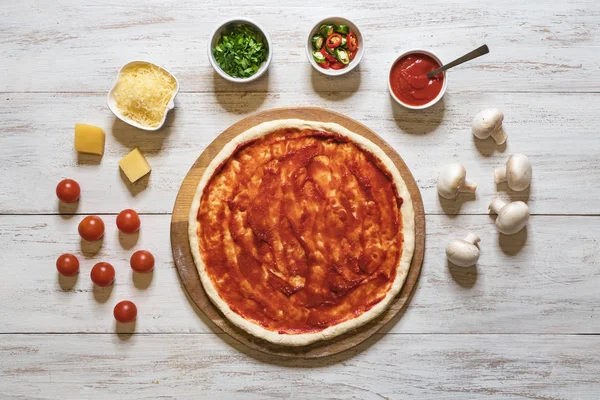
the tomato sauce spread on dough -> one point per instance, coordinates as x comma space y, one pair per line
300, 230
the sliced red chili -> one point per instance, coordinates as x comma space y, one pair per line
351, 41
351, 55
337, 65
325, 64
327, 55
334, 40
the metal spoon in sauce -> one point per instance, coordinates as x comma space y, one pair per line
478, 52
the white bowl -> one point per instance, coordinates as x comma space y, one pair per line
112, 104
214, 39
352, 64
432, 102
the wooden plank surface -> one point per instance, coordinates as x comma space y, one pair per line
527, 283
80, 45
558, 132
215, 367
523, 324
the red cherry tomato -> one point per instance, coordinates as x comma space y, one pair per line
68, 190
67, 264
128, 221
142, 261
125, 311
91, 228
103, 274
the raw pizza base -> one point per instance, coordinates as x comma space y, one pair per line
408, 232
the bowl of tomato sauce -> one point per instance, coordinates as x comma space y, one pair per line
408, 82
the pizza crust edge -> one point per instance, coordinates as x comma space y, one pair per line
408, 232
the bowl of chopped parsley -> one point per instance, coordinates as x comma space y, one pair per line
240, 50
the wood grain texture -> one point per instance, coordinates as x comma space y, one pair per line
60, 58
533, 48
217, 367
186, 267
542, 281
557, 132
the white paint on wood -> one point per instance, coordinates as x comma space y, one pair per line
217, 367
543, 280
58, 61
557, 132
80, 45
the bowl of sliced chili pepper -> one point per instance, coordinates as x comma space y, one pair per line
334, 46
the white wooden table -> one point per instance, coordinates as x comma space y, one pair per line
523, 324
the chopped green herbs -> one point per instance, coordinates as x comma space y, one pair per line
241, 50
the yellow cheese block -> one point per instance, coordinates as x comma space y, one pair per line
134, 165
89, 139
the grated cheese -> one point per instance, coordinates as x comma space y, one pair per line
143, 92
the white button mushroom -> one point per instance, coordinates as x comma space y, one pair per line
517, 172
452, 180
512, 217
463, 252
489, 123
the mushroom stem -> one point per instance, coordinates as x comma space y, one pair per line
463, 252
497, 204
512, 217
468, 187
499, 136
451, 181
500, 175
472, 238
517, 172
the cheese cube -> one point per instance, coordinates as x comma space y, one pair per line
89, 139
134, 165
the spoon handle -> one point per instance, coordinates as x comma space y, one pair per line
478, 52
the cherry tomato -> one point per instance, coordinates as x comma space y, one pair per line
351, 41
68, 190
128, 221
142, 261
91, 228
67, 264
103, 274
125, 311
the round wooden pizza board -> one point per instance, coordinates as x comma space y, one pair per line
189, 274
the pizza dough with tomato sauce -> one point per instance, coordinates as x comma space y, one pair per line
301, 231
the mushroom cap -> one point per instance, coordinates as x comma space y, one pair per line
512, 217
487, 122
463, 253
451, 177
518, 172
